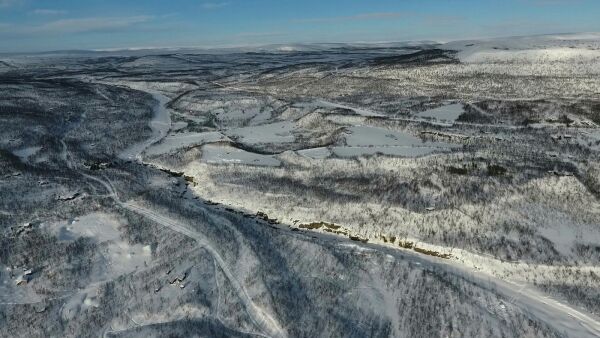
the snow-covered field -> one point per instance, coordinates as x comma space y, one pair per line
534, 49
182, 140
448, 113
224, 154
396, 190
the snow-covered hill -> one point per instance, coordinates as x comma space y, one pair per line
543, 48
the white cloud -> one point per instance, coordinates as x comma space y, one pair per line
89, 24
46, 11
10, 3
214, 5
66, 26
357, 17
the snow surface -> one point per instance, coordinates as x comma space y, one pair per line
182, 140
386, 150
117, 255
224, 154
364, 140
542, 48
316, 153
373, 136
160, 125
359, 111
448, 113
278, 132
25, 153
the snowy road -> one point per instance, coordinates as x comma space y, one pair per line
561, 317
161, 125
261, 319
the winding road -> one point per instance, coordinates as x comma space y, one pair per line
160, 126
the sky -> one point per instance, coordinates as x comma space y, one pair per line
48, 25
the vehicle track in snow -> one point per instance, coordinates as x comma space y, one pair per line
263, 321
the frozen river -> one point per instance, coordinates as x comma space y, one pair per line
160, 125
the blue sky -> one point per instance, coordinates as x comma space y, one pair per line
38, 25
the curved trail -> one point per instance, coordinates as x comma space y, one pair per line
562, 317
259, 317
